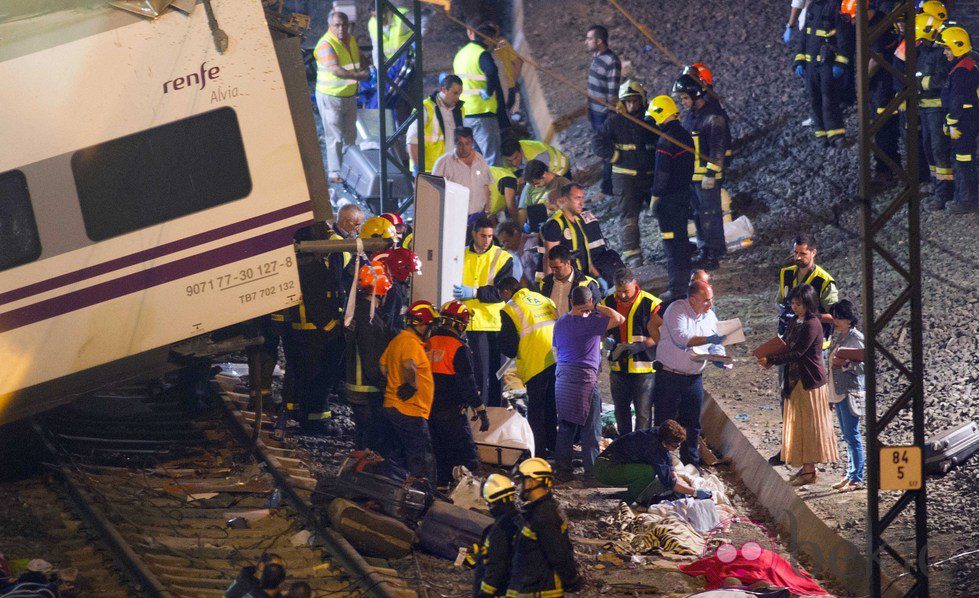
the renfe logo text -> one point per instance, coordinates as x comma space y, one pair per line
200, 78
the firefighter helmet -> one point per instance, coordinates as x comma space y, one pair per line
926, 27
378, 227
685, 84
661, 108
935, 9
373, 278
401, 263
535, 468
421, 312
498, 488
630, 89
957, 40
396, 220
700, 71
455, 315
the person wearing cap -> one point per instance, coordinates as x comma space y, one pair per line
455, 391
484, 110
441, 116
641, 463
491, 557
962, 118
410, 390
671, 192
543, 558
629, 147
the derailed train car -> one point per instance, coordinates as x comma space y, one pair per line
150, 186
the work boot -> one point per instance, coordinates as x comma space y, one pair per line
632, 258
961, 208
933, 204
705, 260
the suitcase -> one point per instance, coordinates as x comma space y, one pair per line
361, 172
446, 528
369, 532
401, 500
951, 448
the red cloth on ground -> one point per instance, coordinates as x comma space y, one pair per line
768, 567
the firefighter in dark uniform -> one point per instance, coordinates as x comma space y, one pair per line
931, 77
671, 192
491, 556
962, 121
563, 273
819, 63
711, 134
882, 89
543, 559
455, 391
282, 323
629, 147
579, 230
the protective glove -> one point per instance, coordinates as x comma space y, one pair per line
602, 285
462, 292
703, 494
483, 417
716, 339
526, 227
717, 350
787, 35
954, 132
708, 182
800, 70
485, 94
837, 71
406, 391
653, 201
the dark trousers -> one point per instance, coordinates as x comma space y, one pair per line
632, 391
589, 434
631, 192
542, 411
672, 212
679, 398
888, 137
597, 120
372, 429
320, 361
452, 444
486, 359
290, 350
964, 166
935, 144
709, 218
824, 99
414, 452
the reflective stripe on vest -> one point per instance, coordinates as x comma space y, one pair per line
700, 162
633, 324
466, 67
479, 270
787, 279
433, 134
347, 58
497, 199
533, 314
558, 161
566, 225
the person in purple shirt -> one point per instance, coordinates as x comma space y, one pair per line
577, 342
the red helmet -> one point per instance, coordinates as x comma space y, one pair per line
700, 71
373, 278
401, 263
454, 314
421, 312
396, 220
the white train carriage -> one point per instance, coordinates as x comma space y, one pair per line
150, 187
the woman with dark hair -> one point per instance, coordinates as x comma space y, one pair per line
846, 390
807, 432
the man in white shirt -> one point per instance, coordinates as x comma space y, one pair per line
679, 389
468, 168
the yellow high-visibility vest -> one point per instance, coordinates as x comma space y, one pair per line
466, 66
819, 279
644, 305
533, 315
395, 33
347, 57
479, 270
433, 134
558, 160
497, 199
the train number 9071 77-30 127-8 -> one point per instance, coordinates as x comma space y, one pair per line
241, 276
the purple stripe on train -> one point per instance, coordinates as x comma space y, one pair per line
154, 253
140, 281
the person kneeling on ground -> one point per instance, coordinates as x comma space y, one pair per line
492, 556
640, 461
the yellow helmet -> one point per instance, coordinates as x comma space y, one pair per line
957, 40
661, 108
632, 88
535, 468
926, 27
498, 488
378, 227
935, 9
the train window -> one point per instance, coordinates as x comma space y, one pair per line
160, 174
19, 241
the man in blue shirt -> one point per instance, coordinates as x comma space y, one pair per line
640, 461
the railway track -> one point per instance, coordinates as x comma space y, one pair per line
185, 501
